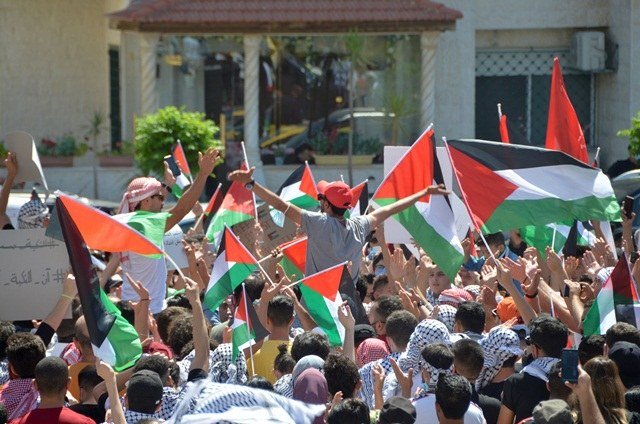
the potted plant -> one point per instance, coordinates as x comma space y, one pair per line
120, 156
157, 132
59, 152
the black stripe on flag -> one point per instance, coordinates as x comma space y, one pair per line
364, 199
99, 321
502, 156
437, 172
295, 177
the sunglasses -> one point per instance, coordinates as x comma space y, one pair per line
159, 196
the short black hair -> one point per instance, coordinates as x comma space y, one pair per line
386, 305
341, 374
166, 318
557, 388
52, 376
549, 334
453, 395
471, 316
469, 357
438, 355
259, 382
399, 327
310, 344
6, 329
632, 399
284, 362
361, 287
280, 310
24, 351
353, 411
156, 363
126, 310
380, 281
179, 300
495, 239
181, 334
88, 378
622, 332
590, 347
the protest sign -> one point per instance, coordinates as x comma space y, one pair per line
32, 270
29, 168
173, 247
273, 234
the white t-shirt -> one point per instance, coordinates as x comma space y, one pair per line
426, 411
151, 272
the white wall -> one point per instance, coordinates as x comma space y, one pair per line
53, 66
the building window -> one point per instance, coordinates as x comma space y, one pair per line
114, 97
521, 81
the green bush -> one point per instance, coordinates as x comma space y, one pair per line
157, 132
633, 134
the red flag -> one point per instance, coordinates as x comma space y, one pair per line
181, 159
563, 128
504, 131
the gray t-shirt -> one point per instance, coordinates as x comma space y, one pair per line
332, 241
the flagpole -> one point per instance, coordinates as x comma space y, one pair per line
309, 276
201, 217
499, 110
174, 264
553, 238
595, 158
246, 309
246, 161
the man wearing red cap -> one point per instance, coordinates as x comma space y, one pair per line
332, 238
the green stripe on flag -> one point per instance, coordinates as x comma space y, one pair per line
149, 224
542, 236
305, 202
218, 292
225, 217
123, 337
319, 310
290, 270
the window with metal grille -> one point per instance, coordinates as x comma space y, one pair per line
520, 81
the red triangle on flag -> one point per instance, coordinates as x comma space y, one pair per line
326, 282
563, 128
504, 131
241, 310
181, 159
235, 250
410, 174
238, 199
296, 252
307, 184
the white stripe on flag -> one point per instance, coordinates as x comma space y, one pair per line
105, 352
606, 307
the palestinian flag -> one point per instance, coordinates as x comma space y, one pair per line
563, 128
233, 264
430, 221
181, 159
299, 190
237, 206
617, 302
180, 186
360, 192
322, 298
140, 232
504, 130
507, 186
294, 258
569, 235
113, 339
213, 205
246, 326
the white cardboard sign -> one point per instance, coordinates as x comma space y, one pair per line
29, 168
173, 247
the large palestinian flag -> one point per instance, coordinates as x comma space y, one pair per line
247, 329
360, 192
322, 298
294, 258
233, 264
430, 221
507, 186
300, 190
113, 339
617, 302
236, 207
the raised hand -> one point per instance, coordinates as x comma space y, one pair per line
208, 160
488, 273
591, 264
141, 291
439, 189
192, 291
169, 178
11, 163
405, 381
345, 316
242, 176
396, 265
554, 262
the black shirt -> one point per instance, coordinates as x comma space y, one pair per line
490, 406
493, 390
620, 167
95, 412
522, 392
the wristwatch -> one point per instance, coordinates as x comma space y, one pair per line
249, 185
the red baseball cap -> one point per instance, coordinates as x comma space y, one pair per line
337, 193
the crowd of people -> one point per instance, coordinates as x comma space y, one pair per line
419, 347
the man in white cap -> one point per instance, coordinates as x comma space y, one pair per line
148, 194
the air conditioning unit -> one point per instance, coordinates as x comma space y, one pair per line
587, 51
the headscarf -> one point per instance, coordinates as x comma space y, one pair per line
540, 368
311, 387
223, 370
427, 332
284, 386
305, 363
434, 373
499, 345
447, 316
32, 214
473, 290
454, 297
139, 189
371, 350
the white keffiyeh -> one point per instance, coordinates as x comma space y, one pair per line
447, 316
499, 345
427, 332
226, 371
540, 368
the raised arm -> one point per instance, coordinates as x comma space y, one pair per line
12, 170
291, 211
381, 214
206, 162
200, 331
